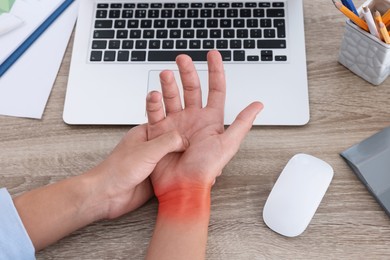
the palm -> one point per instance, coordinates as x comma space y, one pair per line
210, 148
202, 131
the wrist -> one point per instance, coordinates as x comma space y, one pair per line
185, 202
94, 203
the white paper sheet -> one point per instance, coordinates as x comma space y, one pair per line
32, 13
26, 86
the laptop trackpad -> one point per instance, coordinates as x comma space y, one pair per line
154, 82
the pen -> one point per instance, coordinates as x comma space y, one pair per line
384, 32
354, 18
370, 21
349, 4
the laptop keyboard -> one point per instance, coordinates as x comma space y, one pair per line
158, 32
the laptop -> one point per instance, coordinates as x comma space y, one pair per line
121, 46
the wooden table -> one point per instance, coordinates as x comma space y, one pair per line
345, 109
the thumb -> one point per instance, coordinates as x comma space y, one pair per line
237, 131
169, 142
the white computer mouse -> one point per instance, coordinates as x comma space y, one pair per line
297, 194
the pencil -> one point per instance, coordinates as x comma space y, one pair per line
378, 20
354, 18
384, 32
386, 18
378, 17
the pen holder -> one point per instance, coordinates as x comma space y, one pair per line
364, 54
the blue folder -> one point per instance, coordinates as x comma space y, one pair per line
35, 35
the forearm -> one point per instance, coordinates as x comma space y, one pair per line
182, 225
50, 213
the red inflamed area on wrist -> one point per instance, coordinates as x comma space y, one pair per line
185, 202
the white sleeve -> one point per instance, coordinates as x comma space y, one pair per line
14, 240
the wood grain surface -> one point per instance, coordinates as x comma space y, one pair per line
345, 109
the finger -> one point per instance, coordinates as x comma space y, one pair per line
154, 107
237, 131
170, 142
170, 91
217, 83
191, 85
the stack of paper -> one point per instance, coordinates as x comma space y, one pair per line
19, 19
26, 85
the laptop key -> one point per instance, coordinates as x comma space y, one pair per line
195, 44
222, 44
122, 34
252, 23
135, 33
280, 57
114, 44
101, 13
271, 44
205, 13
242, 33
249, 44
245, 13
156, 5
99, 44
140, 13
154, 44
226, 55
277, 12
127, 44
141, 44
255, 33
266, 55
228, 33
162, 34
120, 24
232, 12
269, 33
168, 44
280, 28
192, 13
96, 56
181, 44
103, 34
109, 56
188, 34
210, 5
171, 55
208, 44
103, 24
253, 58
239, 55
127, 13
138, 55
143, 5
183, 5
195, 55
235, 44
114, 14
123, 55
258, 13
169, 5
116, 5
